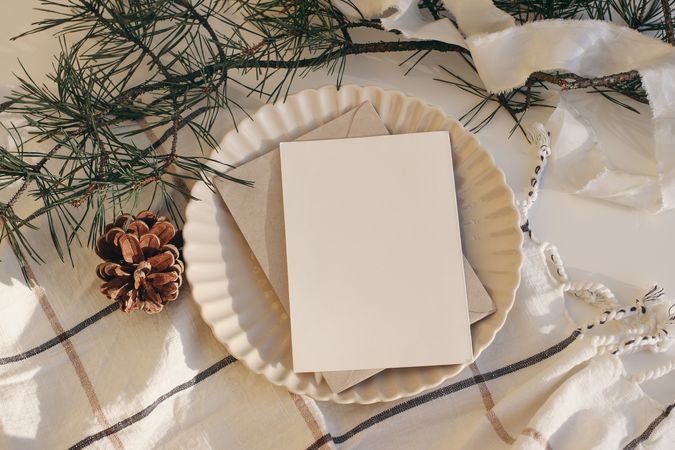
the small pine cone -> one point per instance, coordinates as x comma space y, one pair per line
141, 268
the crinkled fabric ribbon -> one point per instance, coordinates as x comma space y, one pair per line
598, 152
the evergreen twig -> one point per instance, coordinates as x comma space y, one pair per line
170, 62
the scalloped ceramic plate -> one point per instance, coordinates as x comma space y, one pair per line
234, 295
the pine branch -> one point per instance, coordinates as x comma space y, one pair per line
566, 81
516, 102
170, 62
194, 79
347, 50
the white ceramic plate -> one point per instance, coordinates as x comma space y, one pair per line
235, 297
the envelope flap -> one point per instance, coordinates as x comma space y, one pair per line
259, 211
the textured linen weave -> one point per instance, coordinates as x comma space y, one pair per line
77, 373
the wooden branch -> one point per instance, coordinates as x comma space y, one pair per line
171, 157
668, 20
572, 81
565, 81
26, 181
6, 105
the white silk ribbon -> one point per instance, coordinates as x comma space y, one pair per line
617, 156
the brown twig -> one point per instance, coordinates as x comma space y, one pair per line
27, 180
93, 186
668, 20
565, 81
171, 157
90, 190
178, 123
572, 81
7, 104
155, 145
250, 51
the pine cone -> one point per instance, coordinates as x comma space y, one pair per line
142, 269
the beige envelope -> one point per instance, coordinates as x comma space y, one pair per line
258, 211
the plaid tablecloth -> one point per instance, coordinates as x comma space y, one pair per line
76, 372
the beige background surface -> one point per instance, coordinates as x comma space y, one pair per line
621, 247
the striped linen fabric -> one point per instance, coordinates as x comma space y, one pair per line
77, 373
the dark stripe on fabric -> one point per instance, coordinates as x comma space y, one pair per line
650, 429
148, 409
444, 391
62, 336
69, 348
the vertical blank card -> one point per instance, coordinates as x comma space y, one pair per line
375, 266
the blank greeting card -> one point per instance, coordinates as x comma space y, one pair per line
375, 266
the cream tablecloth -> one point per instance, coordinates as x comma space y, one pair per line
75, 372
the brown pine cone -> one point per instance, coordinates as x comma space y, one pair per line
141, 267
